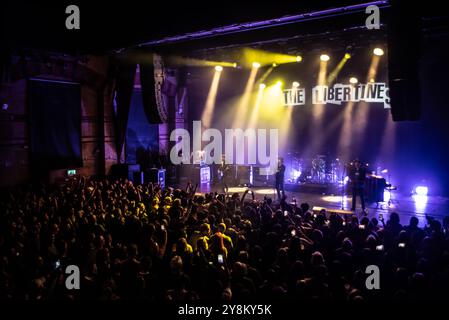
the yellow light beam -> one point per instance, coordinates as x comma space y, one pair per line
345, 139
240, 118
266, 57
322, 73
184, 61
317, 110
372, 72
265, 75
286, 121
337, 69
254, 113
206, 117
360, 121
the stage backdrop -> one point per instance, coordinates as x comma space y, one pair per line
414, 153
55, 125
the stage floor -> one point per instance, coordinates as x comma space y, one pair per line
405, 205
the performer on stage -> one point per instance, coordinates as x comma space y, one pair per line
280, 179
223, 172
357, 176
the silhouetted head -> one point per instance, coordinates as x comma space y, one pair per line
394, 218
414, 222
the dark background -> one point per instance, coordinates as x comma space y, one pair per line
107, 25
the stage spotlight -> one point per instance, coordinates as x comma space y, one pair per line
421, 190
219, 68
262, 86
295, 84
256, 65
378, 52
347, 56
235, 65
298, 58
279, 84
274, 65
371, 80
324, 57
353, 80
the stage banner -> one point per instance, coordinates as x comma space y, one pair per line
339, 94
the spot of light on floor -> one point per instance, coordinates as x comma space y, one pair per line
420, 203
237, 189
334, 199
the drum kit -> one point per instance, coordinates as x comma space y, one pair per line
318, 169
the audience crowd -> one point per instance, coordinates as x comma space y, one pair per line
145, 242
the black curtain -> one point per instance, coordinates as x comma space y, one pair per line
124, 86
55, 125
149, 93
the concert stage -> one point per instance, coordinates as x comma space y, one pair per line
405, 205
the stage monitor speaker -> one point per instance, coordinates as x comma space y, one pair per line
404, 51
